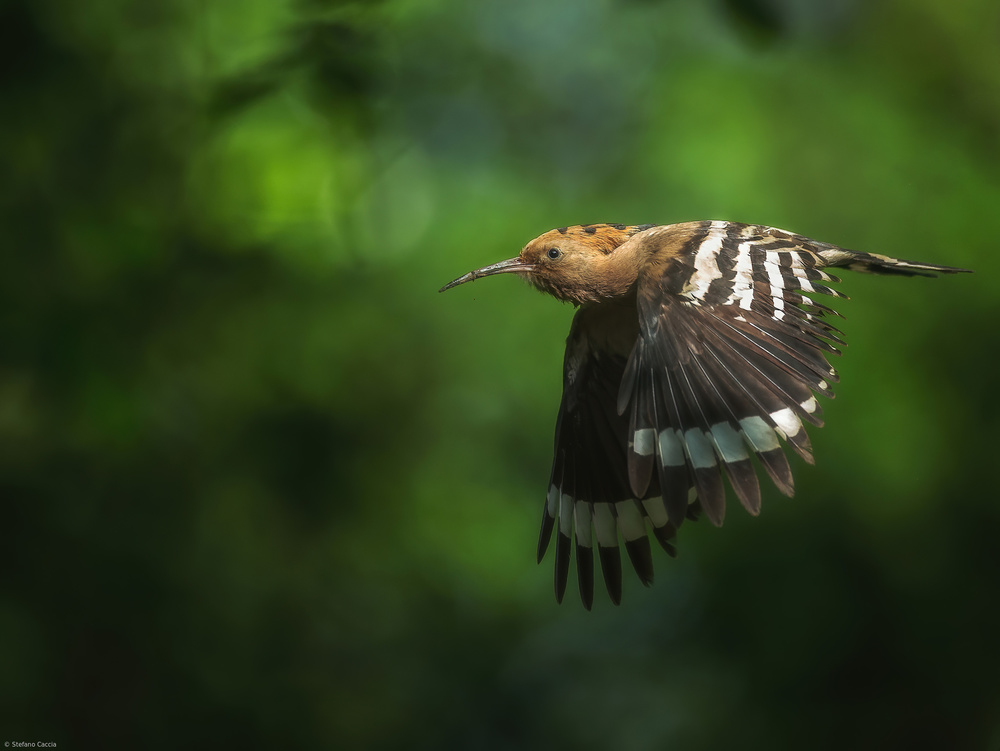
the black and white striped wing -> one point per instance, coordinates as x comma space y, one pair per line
731, 352
589, 500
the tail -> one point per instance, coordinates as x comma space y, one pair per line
875, 263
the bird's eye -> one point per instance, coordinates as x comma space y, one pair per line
554, 253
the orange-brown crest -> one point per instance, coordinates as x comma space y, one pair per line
602, 237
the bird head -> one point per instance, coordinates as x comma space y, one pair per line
570, 263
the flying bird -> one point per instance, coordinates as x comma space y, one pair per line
696, 346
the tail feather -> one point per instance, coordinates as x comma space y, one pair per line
876, 263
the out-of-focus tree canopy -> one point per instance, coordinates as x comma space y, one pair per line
262, 485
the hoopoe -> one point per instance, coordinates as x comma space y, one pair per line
695, 347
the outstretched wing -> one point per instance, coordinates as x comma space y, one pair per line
589, 498
730, 350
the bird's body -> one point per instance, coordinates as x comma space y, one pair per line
695, 347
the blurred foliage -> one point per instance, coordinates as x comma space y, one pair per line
263, 486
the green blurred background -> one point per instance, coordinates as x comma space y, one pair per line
262, 485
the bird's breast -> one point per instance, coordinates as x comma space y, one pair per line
610, 327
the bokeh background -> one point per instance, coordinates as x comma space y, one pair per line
263, 487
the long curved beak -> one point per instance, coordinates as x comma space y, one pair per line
510, 266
